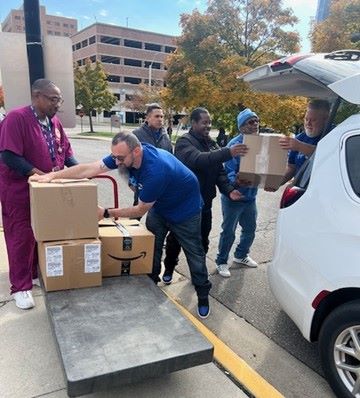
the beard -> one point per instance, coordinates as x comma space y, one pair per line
123, 172
311, 134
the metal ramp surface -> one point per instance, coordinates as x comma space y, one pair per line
122, 332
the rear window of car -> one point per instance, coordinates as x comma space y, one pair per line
353, 162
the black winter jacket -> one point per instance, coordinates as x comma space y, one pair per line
204, 157
145, 134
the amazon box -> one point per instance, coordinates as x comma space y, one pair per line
265, 163
127, 247
70, 264
64, 210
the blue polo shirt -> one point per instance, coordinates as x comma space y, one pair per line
298, 158
163, 179
232, 167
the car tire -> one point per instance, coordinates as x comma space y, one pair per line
338, 339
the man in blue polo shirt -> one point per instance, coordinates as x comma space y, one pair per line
168, 191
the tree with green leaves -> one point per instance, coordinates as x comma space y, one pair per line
1, 96
334, 33
91, 89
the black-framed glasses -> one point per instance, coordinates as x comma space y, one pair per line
253, 121
119, 158
54, 99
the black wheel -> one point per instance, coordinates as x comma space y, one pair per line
339, 343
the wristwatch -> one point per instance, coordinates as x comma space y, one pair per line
106, 213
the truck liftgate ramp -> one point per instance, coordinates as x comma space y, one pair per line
120, 333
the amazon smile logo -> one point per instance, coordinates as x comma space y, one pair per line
142, 254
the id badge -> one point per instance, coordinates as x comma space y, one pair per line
56, 168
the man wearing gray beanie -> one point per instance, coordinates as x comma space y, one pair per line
242, 212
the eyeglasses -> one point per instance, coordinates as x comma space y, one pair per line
253, 121
54, 100
120, 158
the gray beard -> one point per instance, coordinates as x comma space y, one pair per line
311, 135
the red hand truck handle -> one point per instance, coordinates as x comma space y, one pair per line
115, 188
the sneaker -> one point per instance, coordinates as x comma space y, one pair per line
248, 261
24, 300
167, 277
36, 282
203, 308
223, 270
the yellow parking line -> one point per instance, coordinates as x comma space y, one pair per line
228, 359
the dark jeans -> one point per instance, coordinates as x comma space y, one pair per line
172, 249
188, 234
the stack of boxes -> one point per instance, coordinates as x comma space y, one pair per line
65, 225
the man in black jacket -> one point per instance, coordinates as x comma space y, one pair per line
205, 159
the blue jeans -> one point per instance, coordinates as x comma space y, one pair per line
234, 213
188, 234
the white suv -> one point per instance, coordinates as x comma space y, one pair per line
315, 272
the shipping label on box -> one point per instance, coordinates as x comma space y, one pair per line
64, 210
264, 165
127, 247
70, 264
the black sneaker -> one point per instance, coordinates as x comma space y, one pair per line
167, 277
203, 308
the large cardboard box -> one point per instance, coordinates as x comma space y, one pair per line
70, 264
265, 163
64, 210
127, 247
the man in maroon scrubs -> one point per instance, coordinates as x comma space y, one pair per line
32, 140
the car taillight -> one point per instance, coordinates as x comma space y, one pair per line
317, 300
290, 196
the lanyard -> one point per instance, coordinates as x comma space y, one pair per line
47, 133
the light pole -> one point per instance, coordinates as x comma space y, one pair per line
122, 118
150, 71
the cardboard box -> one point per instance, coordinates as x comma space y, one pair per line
64, 210
70, 264
127, 247
265, 163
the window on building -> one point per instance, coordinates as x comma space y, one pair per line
50, 32
117, 96
93, 58
132, 62
17, 17
169, 49
48, 22
57, 34
57, 23
92, 40
18, 28
78, 46
108, 59
132, 43
72, 26
128, 97
132, 80
152, 47
79, 62
73, 47
113, 78
65, 25
110, 40
66, 34
155, 65
84, 43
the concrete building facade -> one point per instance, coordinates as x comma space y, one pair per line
50, 24
129, 56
